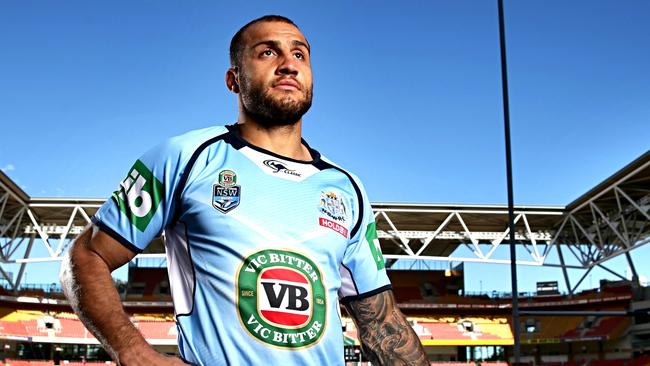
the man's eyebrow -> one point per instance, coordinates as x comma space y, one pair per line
301, 43
276, 44
269, 42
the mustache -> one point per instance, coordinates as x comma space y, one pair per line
288, 80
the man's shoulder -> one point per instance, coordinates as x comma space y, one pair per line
187, 143
354, 179
190, 140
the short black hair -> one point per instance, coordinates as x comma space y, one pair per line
236, 45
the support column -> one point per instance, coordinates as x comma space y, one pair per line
635, 276
564, 271
19, 278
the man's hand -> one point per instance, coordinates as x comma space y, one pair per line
386, 337
88, 285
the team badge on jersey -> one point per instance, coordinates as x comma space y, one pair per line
281, 299
226, 194
333, 206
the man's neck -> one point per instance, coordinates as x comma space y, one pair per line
282, 140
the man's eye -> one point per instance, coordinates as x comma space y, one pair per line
267, 53
299, 55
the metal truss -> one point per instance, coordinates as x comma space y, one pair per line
611, 220
22, 228
481, 229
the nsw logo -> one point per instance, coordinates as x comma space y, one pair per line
226, 194
280, 167
281, 298
139, 195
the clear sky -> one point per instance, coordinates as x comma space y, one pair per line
407, 94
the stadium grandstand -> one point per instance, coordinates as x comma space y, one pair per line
605, 326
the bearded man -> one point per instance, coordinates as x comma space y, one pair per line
264, 236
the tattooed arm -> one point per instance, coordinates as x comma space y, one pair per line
386, 337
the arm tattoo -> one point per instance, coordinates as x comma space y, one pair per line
386, 337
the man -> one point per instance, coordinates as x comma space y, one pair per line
263, 235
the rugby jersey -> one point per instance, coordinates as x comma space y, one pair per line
260, 247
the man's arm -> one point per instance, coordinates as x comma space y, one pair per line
88, 285
386, 337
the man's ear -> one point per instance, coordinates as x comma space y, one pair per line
232, 79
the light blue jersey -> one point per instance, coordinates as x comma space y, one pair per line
260, 247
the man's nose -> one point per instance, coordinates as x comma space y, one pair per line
288, 66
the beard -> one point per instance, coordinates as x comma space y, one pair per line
273, 111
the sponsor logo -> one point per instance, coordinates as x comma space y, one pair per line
226, 194
373, 242
334, 226
281, 299
333, 206
139, 195
280, 167
227, 178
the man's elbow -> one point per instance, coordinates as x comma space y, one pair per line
78, 257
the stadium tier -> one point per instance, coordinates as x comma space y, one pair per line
452, 328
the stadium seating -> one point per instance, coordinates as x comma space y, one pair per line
158, 329
604, 328
489, 325
28, 363
608, 327
73, 329
12, 328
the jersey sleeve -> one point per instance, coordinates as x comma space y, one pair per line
363, 272
143, 203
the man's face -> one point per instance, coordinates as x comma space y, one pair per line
275, 77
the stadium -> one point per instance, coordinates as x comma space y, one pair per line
608, 325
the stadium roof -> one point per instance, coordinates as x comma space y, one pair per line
611, 219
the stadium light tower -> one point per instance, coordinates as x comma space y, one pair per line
511, 210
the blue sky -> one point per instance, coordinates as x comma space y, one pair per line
405, 89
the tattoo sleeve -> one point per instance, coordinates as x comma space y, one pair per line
386, 337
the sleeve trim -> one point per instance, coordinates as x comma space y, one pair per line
346, 300
113, 234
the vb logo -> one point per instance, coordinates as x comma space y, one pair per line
285, 297
281, 298
139, 195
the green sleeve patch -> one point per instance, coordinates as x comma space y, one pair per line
139, 195
373, 242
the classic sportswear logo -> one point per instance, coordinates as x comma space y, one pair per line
139, 195
281, 299
280, 167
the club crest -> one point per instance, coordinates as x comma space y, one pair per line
333, 206
226, 194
